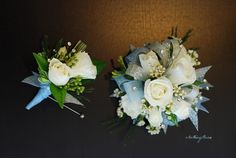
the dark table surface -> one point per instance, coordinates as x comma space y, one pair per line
108, 27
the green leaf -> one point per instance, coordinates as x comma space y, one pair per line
198, 83
45, 44
176, 31
116, 73
43, 80
172, 31
59, 44
138, 119
86, 81
186, 36
59, 94
171, 49
121, 63
189, 86
100, 65
129, 77
194, 48
174, 119
41, 61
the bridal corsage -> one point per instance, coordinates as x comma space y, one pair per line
63, 73
160, 84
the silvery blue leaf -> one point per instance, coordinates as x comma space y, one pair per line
193, 117
71, 99
204, 99
134, 90
32, 80
35, 73
201, 107
165, 128
161, 50
120, 80
133, 56
136, 72
132, 47
201, 72
42, 94
205, 85
155, 46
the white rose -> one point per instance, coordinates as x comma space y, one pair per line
58, 72
158, 92
131, 109
148, 61
182, 70
84, 67
154, 117
181, 109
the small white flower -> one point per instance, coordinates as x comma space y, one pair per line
84, 67
153, 130
158, 92
119, 112
141, 123
181, 109
154, 117
59, 73
116, 93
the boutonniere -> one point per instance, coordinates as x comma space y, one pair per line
63, 73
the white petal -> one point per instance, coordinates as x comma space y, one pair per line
58, 72
84, 67
131, 109
168, 92
148, 61
154, 117
181, 72
136, 72
181, 109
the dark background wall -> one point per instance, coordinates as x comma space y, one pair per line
108, 27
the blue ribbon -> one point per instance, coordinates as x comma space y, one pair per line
133, 56
133, 88
120, 80
42, 94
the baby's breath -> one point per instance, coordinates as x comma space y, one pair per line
158, 71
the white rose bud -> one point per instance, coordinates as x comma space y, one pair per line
182, 70
181, 109
158, 92
84, 67
154, 117
58, 72
62, 51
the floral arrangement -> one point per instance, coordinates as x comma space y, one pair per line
159, 84
63, 72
